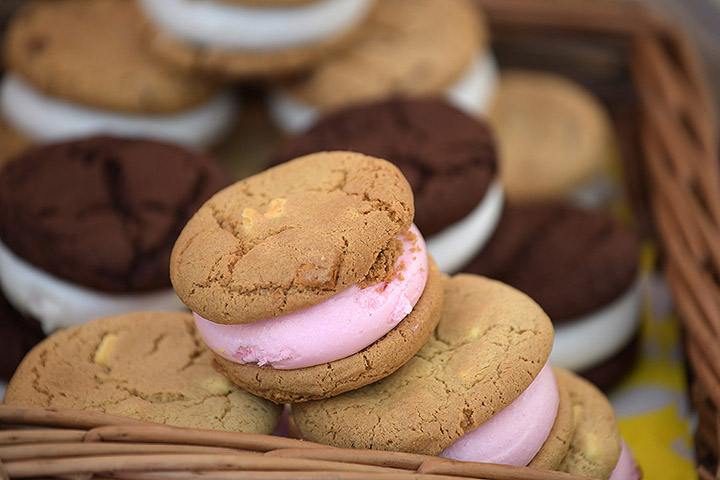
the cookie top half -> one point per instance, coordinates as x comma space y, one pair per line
447, 156
490, 344
104, 212
570, 260
408, 46
145, 365
291, 236
92, 53
553, 135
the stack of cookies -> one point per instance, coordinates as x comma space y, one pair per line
310, 283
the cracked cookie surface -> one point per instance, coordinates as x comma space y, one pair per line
148, 366
448, 157
490, 344
104, 212
291, 236
92, 53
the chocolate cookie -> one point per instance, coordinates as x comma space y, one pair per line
596, 443
291, 237
490, 344
148, 366
448, 157
18, 334
570, 260
104, 212
92, 53
551, 153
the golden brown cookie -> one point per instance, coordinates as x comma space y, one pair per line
91, 52
558, 442
237, 63
12, 142
548, 152
149, 366
412, 47
491, 342
333, 378
291, 236
596, 443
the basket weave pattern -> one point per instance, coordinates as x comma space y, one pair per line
676, 181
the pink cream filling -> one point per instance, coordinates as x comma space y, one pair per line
338, 327
626, 468
514, 435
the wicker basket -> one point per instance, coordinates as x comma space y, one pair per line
647, 73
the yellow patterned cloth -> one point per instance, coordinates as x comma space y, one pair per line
652, 404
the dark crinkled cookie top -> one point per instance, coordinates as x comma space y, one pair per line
571, 261
448, 157
104, 212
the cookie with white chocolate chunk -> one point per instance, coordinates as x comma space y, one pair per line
145, 365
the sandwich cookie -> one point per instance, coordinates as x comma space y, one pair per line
149, 366
409, 48
78, 68
482, 375
308, 279
597, 449
86, 227
18, 334
447, 156
555, 140
582, 267
557, 445
250, 38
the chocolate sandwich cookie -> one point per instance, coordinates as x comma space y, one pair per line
480, 389
562, 152
250, 38
581, 266
146, 365
86, 227
409, 47
79, 68
18, 334
308, 279
447, 156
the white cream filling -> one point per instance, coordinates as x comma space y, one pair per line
590, 339
454, 247
232, 26
46, 119
472, 93
57, 303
